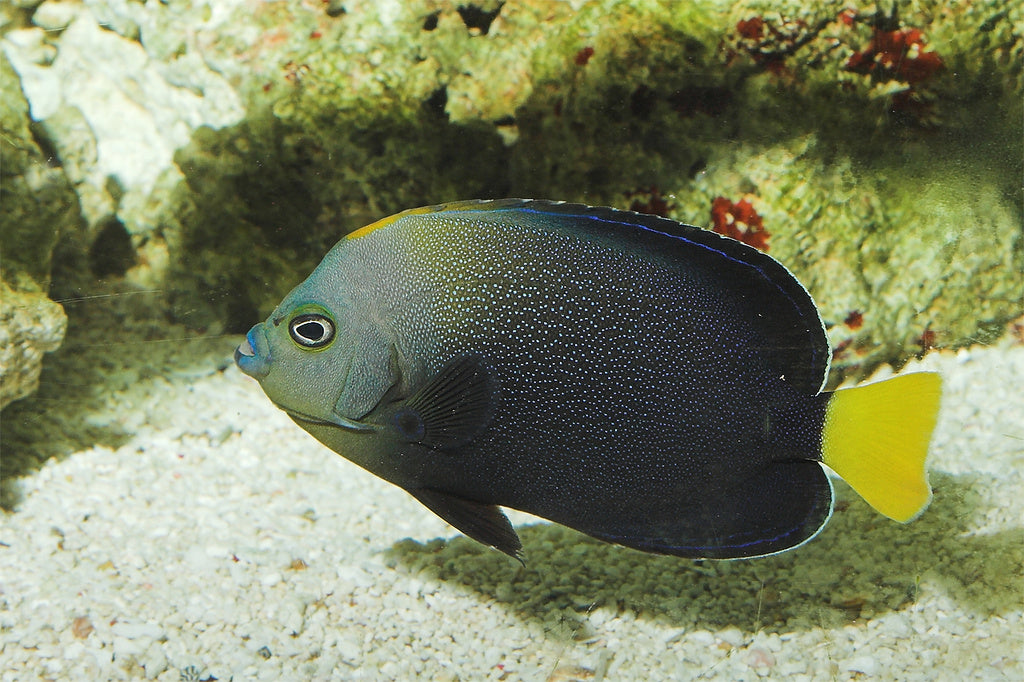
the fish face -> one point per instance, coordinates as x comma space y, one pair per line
323, 355
300, 355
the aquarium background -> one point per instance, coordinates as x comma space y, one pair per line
171, 169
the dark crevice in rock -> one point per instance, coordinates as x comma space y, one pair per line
437, 102
478, 18
111, 253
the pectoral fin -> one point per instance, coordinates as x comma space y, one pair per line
485, 523
451, 408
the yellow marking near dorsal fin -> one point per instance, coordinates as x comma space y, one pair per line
384, 222
451, 207
876, 438
468, 205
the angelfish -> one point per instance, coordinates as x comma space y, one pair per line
646, 382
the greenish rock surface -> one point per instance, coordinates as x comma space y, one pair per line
882, 152
37, 204
30, 325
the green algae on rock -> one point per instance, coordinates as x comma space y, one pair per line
38, 205
351, 115
30, 325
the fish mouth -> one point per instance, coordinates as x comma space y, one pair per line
253, 355
244, 349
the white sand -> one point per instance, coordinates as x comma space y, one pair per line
212, 538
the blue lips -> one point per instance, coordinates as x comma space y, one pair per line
253, 355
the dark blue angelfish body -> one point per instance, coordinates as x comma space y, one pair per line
648, 383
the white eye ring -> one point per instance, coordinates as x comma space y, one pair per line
311, 330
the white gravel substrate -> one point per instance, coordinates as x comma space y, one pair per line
211, 538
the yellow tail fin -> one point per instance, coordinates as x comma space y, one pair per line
876, 438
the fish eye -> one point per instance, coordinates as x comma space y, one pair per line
312, 330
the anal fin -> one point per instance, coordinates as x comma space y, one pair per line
485, 523
781, 507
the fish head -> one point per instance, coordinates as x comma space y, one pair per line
296, 355
319, 356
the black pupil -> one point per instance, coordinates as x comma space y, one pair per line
311, 331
